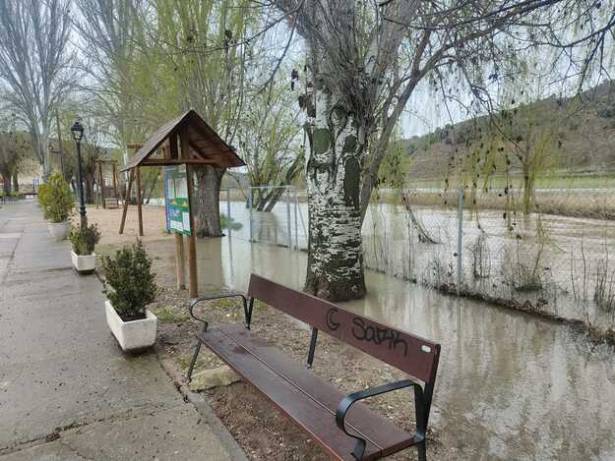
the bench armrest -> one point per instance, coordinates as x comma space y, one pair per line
351, 399
212, 297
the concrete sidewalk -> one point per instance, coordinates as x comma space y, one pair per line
66, 390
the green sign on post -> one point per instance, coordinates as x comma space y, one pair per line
177, 205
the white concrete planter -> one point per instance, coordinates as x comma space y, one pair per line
84, 264
136, 334
58, 230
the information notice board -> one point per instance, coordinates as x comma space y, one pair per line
177, 205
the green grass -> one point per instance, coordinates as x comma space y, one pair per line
169, 314
560, 180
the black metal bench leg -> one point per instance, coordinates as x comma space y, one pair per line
422, 450
197, 349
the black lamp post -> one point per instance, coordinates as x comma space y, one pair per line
77, 130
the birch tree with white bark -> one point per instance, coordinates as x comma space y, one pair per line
35, 64
366, 60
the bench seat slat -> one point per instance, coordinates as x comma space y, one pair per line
303, 396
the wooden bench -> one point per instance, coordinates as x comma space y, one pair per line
346, 429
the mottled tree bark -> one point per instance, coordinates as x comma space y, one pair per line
208, 201
333, 174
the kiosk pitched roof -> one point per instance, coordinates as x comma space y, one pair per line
205, 147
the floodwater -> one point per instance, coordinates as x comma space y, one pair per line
553, 261
510, 386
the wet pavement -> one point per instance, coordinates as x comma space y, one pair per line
510, 385
66, 390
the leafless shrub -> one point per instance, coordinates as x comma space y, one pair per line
520, 272
604, 291
437, 273
481, 257
525, 278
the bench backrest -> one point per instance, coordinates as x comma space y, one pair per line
414, 355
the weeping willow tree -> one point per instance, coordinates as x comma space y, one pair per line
202, 45
121, 82
153, 59
533, 143
270, 140
366, 60
129, 94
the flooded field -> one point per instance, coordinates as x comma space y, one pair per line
510, 386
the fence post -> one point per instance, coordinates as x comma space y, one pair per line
228, 212
250, 200
296, 221
460, 241
288, 230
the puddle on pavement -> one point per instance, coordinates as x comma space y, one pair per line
510, 386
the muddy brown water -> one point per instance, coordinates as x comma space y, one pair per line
564, 258
510, 385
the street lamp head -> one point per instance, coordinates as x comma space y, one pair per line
77, 130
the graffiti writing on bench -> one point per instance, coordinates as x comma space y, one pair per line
362, 331
331, 323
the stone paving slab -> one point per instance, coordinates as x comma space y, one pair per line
61, 370
175, 434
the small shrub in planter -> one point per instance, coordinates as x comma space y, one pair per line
129, 284
56, 199
84, 240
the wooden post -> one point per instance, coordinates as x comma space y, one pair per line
126, 200
101, 185
180, 254
115, 183
180, 261
192, 267
139, 208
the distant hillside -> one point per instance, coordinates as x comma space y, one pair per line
583, 127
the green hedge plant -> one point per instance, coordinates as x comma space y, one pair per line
56, 199
84, 240
129, 283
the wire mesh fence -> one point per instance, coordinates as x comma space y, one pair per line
281, 221
556, 265
553, 264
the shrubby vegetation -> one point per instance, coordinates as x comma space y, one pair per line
84, 240
129, 281
56, 199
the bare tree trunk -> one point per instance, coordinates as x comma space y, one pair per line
276, 194
15, 183
272, 199
208, 199
335, 261
88, 188
6, 184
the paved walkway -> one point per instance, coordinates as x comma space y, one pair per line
66, 390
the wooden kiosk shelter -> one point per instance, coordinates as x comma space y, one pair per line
187, 140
